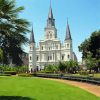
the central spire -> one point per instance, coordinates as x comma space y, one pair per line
50, 20
50, 15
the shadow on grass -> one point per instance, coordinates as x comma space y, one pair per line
15, 98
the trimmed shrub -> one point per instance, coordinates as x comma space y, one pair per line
10, 72
5, 74
83, 72
25, 75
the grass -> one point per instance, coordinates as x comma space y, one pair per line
27, 88
97, 75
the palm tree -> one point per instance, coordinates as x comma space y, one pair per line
12, 31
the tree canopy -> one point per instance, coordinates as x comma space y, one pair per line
90, 49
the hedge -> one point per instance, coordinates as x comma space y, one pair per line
10, 72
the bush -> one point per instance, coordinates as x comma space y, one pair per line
83, 72
5, 74
10, 72
25, 75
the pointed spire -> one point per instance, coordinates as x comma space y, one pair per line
68, 34
50, 20
32, 40
50, 15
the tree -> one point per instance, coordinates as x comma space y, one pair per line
84, 48
90, 62
92, 46
72, 66
12, 31
62, 66
51, 68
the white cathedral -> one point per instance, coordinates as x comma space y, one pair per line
50, 50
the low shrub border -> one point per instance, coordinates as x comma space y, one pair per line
75, 78
5, 74
10, 72
25, 75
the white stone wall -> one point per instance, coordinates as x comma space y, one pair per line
32, 57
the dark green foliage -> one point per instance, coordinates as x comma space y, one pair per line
12, 32
10, 72
25, 75
18, 69
51, 69
90, 49
68, 66
62, 66
5, 74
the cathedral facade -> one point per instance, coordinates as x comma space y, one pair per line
50, 50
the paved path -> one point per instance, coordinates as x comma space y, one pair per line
94, 89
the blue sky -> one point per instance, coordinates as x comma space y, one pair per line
83, 17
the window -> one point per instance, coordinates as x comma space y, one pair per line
48, 57
67, 45
42, 47
62, 57
53, 56
68, 56
37, 58
49, 48
30, 58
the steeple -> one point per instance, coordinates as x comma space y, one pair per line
68, 34
32, 40
50, 20
50, 15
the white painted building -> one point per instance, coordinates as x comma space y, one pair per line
50, 50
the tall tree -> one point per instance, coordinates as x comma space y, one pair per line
92, 46
12, 31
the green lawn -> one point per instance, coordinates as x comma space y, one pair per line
25, 88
